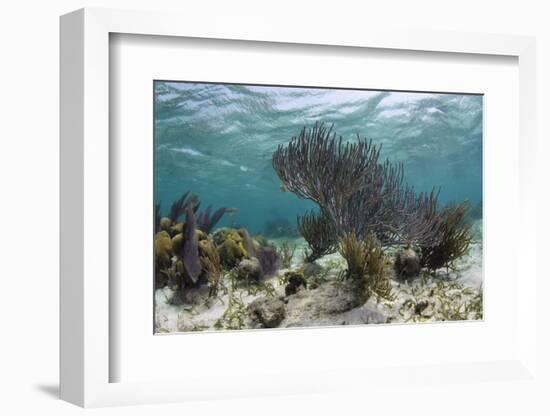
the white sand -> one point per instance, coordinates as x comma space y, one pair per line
455, 290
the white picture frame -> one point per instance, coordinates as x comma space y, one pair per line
85, 353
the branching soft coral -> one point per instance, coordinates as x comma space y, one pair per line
206, 222
455, 237
366, 265
179, 206
357, 192
318, 230
211, 264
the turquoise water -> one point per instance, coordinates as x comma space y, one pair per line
216, 140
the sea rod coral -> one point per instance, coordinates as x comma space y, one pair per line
206, 222
318, 230
456, 238
356, 191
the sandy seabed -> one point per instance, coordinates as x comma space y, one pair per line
443, 296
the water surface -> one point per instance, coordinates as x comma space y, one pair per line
216, 140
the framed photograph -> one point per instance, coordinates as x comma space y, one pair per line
238, 210
305, 226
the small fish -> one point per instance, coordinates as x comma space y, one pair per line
282, 188
232, 211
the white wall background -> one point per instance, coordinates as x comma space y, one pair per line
29, 56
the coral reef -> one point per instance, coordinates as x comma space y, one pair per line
192, 258
328, 299
369, 237
185, 257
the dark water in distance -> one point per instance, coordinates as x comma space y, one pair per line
216, 140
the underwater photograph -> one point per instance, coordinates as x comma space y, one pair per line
285, 207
